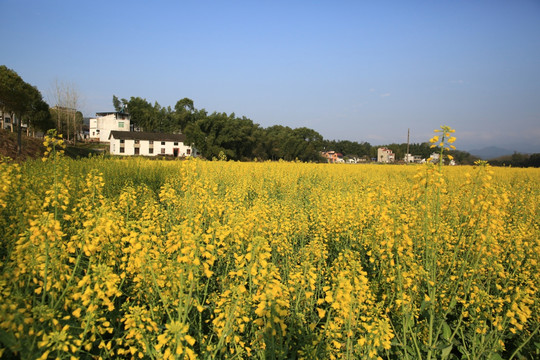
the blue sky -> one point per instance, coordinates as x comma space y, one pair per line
351, 70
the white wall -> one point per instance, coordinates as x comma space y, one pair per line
100, 128
144, 148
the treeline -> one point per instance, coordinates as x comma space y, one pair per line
518, 160
219, 135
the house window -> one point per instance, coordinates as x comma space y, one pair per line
137, 151
163, 151
151, 150
121, 149
136, 142
163, 143
122, 141
188, 151
176, 143
151, 142
121, 124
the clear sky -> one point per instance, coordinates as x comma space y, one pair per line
351, 70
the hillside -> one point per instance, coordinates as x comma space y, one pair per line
490, 152
31, 147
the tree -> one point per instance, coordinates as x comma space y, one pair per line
283, 142
534, 160
220, 133
184, 113
156, 117
15, 96
38, 116
67, 99
142, 113
116, 103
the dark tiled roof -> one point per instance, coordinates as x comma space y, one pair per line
139, 135
111, 113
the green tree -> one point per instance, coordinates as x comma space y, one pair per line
16, 97
119, 105
534, 160
283, 142
142, 113
184, 113
38, 116
220, 133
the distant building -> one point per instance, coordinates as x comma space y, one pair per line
412, 158
385, 155
332, 156
10, 121
149, 144
101, 126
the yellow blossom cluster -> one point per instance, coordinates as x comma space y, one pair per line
113, 258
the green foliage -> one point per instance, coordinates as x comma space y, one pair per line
116, 103
222, 133
285, 143
518, 160
23, 100
38, 116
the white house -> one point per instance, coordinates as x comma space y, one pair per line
101, 126
149, 144
9, 121
412, 158
385, 155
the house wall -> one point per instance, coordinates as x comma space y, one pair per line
101, 127
385, 155
145, 146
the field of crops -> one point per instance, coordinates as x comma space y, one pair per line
134, 258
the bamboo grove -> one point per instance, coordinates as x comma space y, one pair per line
134, 258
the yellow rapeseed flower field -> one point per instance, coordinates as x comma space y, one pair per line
106, 258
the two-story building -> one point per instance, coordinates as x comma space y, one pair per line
332, 156
385, 155
101, 126
149, 144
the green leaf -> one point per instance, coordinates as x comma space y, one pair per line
446, 351
452, 303
447, 332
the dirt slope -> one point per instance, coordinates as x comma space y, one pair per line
31, 147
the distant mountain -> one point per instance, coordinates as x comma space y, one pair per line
490, 152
